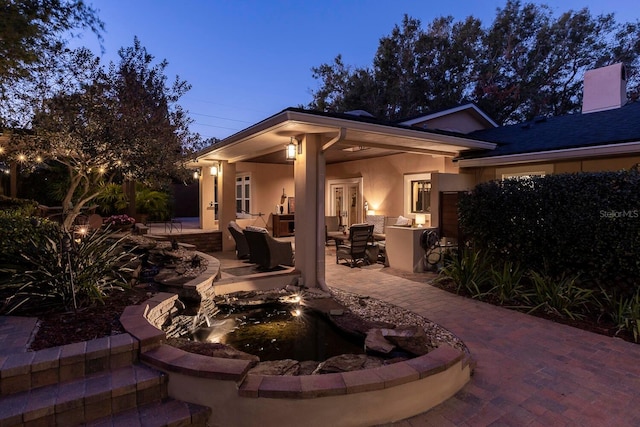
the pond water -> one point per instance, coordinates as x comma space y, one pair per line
280, 331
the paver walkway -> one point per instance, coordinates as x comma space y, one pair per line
530, 371
15, 334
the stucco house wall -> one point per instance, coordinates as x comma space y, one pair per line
383, 178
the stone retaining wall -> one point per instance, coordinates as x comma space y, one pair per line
372, 396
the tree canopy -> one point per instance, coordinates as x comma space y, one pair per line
526, 63
32, 33
117, 123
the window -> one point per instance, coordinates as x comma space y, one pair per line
243, 196
421, 196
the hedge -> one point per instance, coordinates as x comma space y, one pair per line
581, 223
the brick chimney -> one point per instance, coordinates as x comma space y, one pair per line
604, 88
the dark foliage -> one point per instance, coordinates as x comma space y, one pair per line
584, 223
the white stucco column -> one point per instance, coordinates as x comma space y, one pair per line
306, 187
206, 195
226, 202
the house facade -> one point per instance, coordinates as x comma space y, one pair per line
350, 165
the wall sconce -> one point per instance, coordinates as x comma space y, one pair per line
291, 148
214, 170
196, 174
421, 219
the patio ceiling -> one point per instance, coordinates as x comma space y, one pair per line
348, 139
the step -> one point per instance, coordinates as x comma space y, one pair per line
24, 371
85, 399
169, 412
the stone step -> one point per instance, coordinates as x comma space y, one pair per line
24, 371
86, 399
166, 413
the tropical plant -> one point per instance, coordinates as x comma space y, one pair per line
65, 274
632, 320
469, 272
560, 296
152, 202
508, 286
111, 199
623, 311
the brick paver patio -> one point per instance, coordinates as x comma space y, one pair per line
530, 371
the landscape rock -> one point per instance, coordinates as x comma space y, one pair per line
277, 367
376, 342
412, 339
348, 363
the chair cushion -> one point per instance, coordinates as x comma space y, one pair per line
378, 223
257, 229
402, 221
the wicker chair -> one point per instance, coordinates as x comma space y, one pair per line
242, 247
266, 251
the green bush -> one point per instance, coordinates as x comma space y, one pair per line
560, 296
21, 234
21, 206
584, 223
509, 284
64, 274
469, 272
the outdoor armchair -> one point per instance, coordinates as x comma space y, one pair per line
266, 251
242, 247
355, 248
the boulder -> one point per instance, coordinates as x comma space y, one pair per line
376, 342
411, 339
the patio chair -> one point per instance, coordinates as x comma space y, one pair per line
331, 227
266, 251
355, 248
242, 247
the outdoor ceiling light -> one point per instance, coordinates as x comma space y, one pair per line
290, 149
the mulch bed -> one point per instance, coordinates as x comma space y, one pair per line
88, 323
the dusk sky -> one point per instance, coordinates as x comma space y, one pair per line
247, 60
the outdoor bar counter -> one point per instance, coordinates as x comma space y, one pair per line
403, 249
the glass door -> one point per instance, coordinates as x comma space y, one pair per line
345, 203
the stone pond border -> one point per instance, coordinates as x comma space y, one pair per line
365, 397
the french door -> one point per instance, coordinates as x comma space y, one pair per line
345, 201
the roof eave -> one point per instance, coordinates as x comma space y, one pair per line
552, 155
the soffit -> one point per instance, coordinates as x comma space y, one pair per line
265, 141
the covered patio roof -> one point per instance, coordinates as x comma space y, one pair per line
345, 137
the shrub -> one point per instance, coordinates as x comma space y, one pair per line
469, 272
508, 286
584, 223
624, 312
63, 274
111, 199
20, 206
19, 231
560, 296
